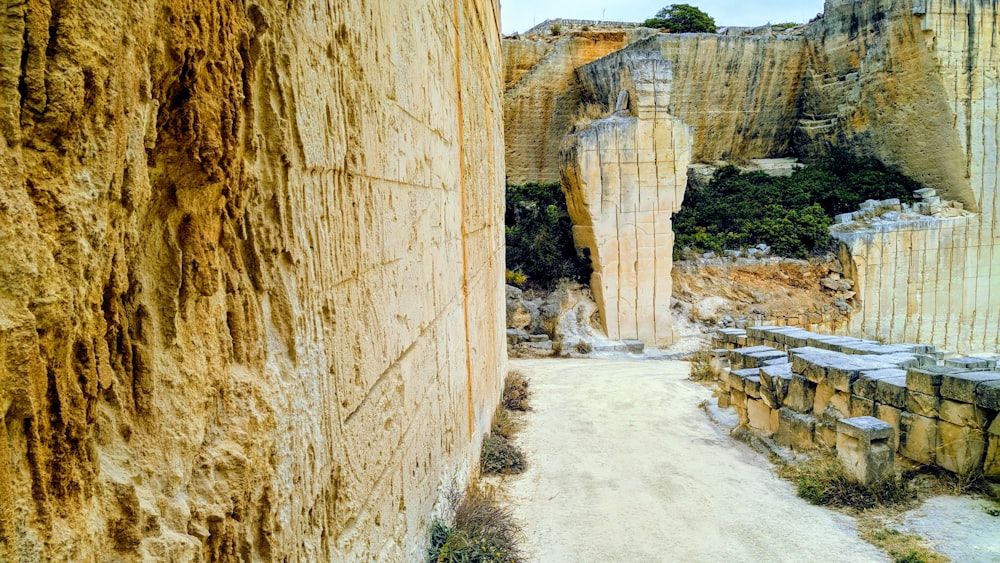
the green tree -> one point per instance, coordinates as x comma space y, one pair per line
682, 18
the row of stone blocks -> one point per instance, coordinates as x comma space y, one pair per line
799, 385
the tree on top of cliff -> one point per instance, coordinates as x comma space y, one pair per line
681, 18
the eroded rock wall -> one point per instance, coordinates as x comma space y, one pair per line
542, 98
250, 275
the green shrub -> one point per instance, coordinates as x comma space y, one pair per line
482, 532
681, 18
791, 214
539, 236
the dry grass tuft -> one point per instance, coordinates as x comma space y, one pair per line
822, 480
504, 424
903, 548
516, 392
482, 532
500, 457
701, 367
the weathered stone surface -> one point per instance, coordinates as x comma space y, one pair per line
963, 414
867, 384
774, 381
891, 415
801, 394
988, 395
991, 467
970, 364
962, 386
921, 404
918, 438
759, 359
861, 406
762, 418
863, 449
891, 391
795, 430
926, 379
961, 449
751, 386
251, 264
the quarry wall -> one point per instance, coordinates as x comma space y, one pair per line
250, 275
936, 280
913, 83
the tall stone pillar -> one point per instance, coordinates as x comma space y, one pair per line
624, 177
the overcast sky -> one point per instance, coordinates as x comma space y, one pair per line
519, 15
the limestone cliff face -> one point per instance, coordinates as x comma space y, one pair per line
739, 94
936, 280
542, 98
250, 264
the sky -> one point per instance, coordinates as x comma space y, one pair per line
519, 15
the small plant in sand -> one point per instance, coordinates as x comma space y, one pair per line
481, 531
516, 392
701, 367
903, 548
500, 457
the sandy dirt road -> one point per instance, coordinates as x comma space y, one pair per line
625, 467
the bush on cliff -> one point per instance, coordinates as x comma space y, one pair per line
681, 18
791, 214
539, 236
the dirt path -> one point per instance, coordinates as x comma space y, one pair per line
625, 467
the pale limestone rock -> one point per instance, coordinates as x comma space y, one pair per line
251, 263
863, 448
624, 177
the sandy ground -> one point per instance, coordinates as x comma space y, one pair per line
958, 527
624, 466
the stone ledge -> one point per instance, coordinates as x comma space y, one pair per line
866, 428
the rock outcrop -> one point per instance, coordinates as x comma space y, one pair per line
250, 275
914, 83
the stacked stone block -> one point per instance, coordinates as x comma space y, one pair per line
799, 387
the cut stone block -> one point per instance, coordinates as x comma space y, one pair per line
794, 430
762, 418
825, 433
751, 386
863, 447
961, 449
962, 386
843, 371
922, 404
991, 468
963, 414
988, 395
861, 406
757, 359
774, 381
891, 391
801, 394
867, 384
918, 437
821, 398
926, 380
723, 401
839, 405
737, 378
970, 364
737, 356
891, 415
779, 362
